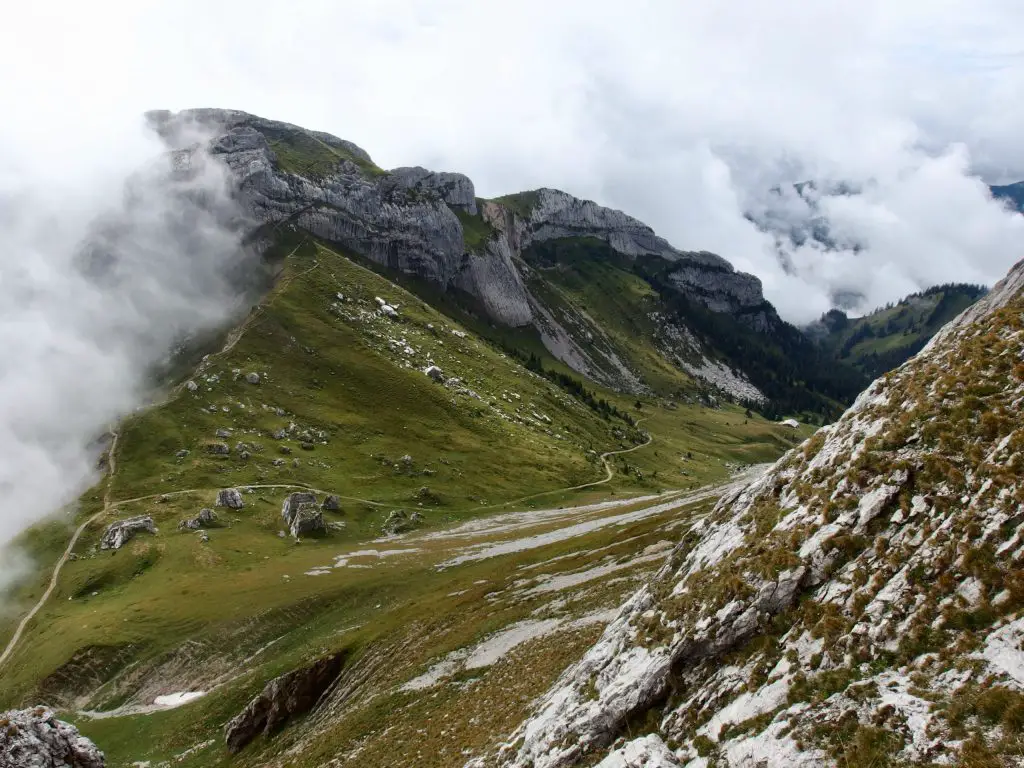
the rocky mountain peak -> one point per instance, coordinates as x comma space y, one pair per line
431, 225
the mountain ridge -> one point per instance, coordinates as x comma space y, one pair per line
431, 226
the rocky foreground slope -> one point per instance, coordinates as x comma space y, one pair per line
858, 605
35, 738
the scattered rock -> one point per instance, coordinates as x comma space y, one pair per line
181, 454
230, 497
398, 521
407, 460
225, 433
191, 386
278, 462
294, 693
279, 434
252, 377
434, 372
285, 449
206, 517
204, 537
331, 503
218, 449
35, 738
307, 446
119, 533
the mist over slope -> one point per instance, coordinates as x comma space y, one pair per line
104, 275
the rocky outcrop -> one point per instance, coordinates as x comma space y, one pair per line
35, 738
205, 519
857, 596
720, 289
284, 697
453, 188
308, 520
120, 533
302, 515
400, 521
230, 498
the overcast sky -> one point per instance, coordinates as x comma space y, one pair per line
681, 113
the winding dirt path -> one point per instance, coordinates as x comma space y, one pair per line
609, 474
107, 506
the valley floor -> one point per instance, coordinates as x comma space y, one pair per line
473, 622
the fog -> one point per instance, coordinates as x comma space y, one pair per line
104, 272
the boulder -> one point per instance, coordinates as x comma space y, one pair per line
331, 503
120, 533
399, 521
308, 519
191, 386
252, 377
230, 497
434, 372
205, 518
291, 504
284, 697
35, 738
181, 454
223, 433
218, 449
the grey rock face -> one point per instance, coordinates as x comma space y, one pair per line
284, 697
35, 738
230, 497
307, 520
291, 505
453, 188
721, 290
120, 533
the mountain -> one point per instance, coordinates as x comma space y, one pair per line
884, 339
384, 520
859, 604
538, 271
368, 475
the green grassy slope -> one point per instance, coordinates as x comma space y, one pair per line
885, 338
346, 384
